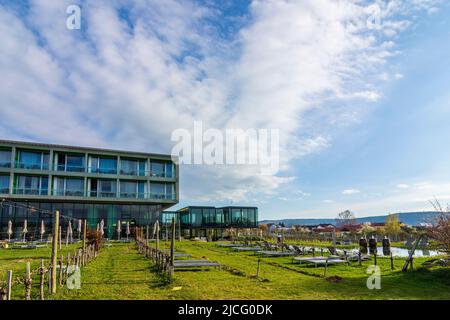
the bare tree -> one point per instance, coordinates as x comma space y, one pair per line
440, 231
346, 218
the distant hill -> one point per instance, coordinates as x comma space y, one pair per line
409, 218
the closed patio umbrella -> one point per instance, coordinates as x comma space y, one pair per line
42, 230
102, 227
119, 229
10, 231
69, 233
128, 229
79, 229
25, 230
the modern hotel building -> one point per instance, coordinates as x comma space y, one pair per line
101, 184
83, 183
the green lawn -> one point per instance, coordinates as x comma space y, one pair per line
119, 272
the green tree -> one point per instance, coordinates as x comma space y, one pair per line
392, 226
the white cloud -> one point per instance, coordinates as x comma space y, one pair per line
402, 186
351, 191
328, 201
129, 84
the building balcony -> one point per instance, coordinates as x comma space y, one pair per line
68, 168
31, 165
5, 164
69, 193
4, 190
102, 170
31, 191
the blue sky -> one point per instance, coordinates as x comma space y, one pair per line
363, 112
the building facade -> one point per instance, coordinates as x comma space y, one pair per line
83, 183
204, 221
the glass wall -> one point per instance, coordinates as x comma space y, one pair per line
4, 184
31, 185
72, 187
132, 189
103, 188
160, 190
36, 160
136, 215
107, 165
69, 162
162, 169
133, 167
5, 158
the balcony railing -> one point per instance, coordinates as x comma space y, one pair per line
31, 191
102, 194
4, 190
5, 164
69, 193
32, 165
103, 170
161, 196
62, 167
137, 195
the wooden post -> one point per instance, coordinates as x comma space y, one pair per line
259, 267
179, 228
392, 262
61, 270
146, 236
84, 235
359, 258
157, 236
8, 284
59, 237
172, 246
375, 258
411, 264
28, 282
54, 250
67, 236
42, 280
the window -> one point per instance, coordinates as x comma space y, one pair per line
5, 158
71, 187
4, 184
103, 165
236, 216
164, 191
128, 189
33, 160
69, 162
32, 185
162, 169
107, 188
132, 167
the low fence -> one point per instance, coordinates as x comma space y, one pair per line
159, 258
66, 267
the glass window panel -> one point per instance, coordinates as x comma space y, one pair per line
30, 160
4, 184
157, 169
169, 170
128, 189
75, 163
108, 165
5, 158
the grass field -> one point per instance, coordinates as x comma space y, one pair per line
119, 272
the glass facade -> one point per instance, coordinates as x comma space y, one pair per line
110, 213
133, 167
105, 165
69, 162
36, 160
162, 191
103, 188
162, 169
71, 187
211, 217
5, 158
132, 189
31, 185
4, 184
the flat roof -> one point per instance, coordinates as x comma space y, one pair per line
91, 149
212, 207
